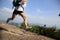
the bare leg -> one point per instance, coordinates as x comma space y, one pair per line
23, 15
13, 16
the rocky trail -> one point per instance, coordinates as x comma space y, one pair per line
10, 32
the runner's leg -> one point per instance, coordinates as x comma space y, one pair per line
23, 15
13, 16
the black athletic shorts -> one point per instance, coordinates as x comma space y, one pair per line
17, 12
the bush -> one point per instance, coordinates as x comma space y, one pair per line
22, 26
57, 34
50, 31
35, 29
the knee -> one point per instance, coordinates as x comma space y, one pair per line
25, 17
10, 18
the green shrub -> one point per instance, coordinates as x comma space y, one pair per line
35, 29
57, 34
50, 31
22, 26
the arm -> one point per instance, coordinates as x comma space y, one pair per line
24, 0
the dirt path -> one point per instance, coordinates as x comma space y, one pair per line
10, 32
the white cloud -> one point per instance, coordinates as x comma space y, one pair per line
39, 11
6, 9
5, 13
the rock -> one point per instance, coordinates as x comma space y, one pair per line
10, 32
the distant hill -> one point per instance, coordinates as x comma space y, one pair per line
10, 32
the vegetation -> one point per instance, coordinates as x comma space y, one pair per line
50, 31
43, 30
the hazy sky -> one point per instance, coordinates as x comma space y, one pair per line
37, 11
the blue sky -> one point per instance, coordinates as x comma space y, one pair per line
37, 11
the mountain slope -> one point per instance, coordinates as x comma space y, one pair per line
10, 32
